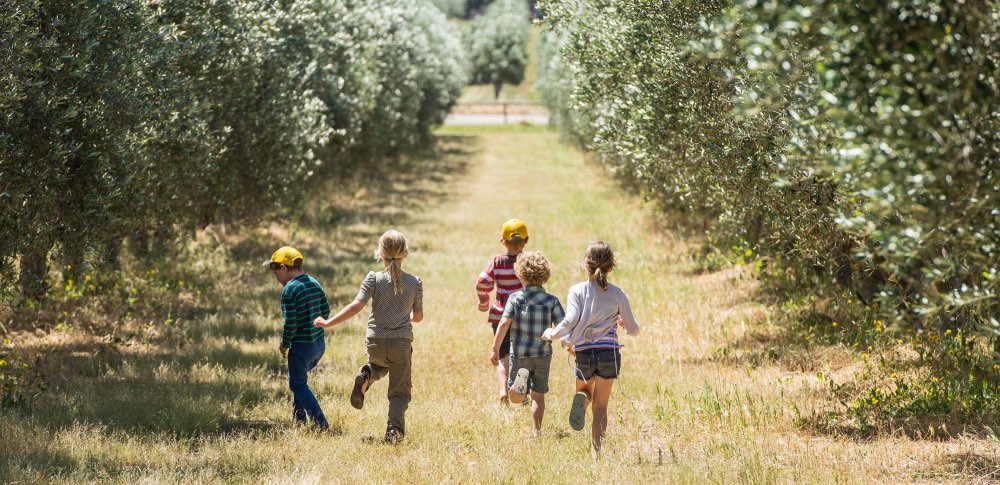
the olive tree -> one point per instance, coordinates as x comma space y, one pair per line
497, 44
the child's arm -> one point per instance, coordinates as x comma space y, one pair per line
625, 315
484, 285
290, 314
417, 313
569, 320
344, 314
498, 340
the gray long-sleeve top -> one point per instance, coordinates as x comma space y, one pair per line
592, 312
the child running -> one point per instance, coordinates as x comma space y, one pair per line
594, 308
302, 300
499, 272
397, 303
527, 315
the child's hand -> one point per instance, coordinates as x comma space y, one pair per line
283, 350
484, 306
620, 322
319, 322
495, 358
548, 333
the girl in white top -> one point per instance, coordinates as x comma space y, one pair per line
596, 309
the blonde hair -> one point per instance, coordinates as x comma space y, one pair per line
393, 247
598, 261
532, 269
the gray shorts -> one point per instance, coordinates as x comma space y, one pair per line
538, 367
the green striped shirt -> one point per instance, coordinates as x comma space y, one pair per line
302, 300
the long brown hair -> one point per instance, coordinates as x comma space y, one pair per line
598, 261
393, 247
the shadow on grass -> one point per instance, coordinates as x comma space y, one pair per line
179, 380
855, 395
973, 466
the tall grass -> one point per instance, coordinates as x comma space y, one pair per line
205, 399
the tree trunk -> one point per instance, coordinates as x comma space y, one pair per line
34, 267
138, 242
111, 256
496, 90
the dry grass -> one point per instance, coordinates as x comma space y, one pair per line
205, 399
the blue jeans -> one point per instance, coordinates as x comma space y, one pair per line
302, 357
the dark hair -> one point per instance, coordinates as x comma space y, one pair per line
598, 261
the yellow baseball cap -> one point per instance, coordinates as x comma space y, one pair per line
285, 255
512, 227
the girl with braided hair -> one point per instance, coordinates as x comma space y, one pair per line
596, 309
397, 303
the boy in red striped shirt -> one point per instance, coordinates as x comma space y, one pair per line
499, 272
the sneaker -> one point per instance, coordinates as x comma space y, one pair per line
520, 384
394, 435
577, 411
360, 387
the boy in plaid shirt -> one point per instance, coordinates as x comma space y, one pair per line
528, 314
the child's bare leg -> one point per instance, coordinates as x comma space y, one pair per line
516, 398
537, 410
502, 376
601, 396
586, 388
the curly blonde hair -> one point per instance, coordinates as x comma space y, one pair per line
532, 268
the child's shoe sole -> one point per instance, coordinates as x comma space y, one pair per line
360, 386
520, 384
577, 412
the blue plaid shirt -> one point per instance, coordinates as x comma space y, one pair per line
531, 311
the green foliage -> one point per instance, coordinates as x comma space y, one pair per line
139, 119
852, 147
20, 382
557, 86
451, 8
497, 44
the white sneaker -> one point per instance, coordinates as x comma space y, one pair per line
520, 385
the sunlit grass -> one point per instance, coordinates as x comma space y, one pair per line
205, 399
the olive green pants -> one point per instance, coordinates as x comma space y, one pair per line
392, 356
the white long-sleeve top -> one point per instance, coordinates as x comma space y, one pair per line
592, 313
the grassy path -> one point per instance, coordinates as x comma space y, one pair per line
206, 399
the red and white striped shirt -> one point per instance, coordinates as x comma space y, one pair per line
498, 272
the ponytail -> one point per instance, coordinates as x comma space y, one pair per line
392, 247
395, 276
601, 277
598, 261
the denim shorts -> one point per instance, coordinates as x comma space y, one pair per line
538, 367
603, 363
505, 345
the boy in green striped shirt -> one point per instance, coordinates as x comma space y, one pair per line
302, 300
